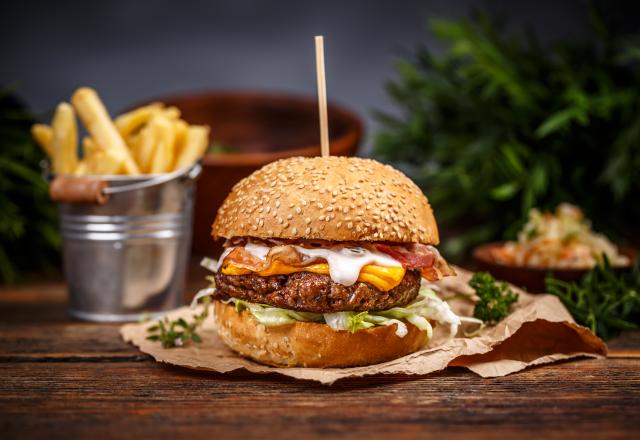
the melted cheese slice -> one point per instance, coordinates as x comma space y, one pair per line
383, 277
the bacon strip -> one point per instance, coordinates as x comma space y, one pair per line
410, 259
419, 256
283, 253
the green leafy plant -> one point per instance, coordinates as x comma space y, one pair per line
495, 298
605, 301
29, 239
498, 124
179, 332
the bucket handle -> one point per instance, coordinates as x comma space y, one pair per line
190, 173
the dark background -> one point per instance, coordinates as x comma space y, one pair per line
131, 51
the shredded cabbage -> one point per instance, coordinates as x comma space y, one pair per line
209, 263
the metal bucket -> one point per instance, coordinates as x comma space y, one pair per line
129, 257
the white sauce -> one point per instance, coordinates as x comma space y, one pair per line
345, 263
257, 250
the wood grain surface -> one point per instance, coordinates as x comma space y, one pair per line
68, 379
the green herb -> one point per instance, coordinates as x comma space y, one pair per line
29, 239
179, 332
603, 300
488, 127
495, 298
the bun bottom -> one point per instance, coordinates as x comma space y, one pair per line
310, 344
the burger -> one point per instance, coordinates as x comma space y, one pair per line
327, 263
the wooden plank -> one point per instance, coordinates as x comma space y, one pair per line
594, 398
627, 345
35, 326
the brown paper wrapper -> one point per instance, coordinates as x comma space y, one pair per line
538, 331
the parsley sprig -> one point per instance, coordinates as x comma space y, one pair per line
605, 301
179, 332
495, 298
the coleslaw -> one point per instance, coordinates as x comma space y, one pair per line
563, 239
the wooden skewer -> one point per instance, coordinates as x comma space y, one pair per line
322, 97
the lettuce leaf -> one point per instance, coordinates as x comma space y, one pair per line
426, 307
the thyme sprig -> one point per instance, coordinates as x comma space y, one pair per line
179, 332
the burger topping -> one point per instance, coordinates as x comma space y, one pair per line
384, 278
380, 264
345, 265
419, 256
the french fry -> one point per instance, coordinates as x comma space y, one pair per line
164, 154
81, 168
98, 160
104, 162
95, 117
65, 139
143, 147
133, 142
130, 122
195, 144
89, 146
172, 112
43, 134
180, 128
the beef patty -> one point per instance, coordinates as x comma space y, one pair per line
311, 292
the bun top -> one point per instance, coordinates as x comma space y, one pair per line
327, 198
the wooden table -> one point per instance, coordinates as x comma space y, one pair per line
64, 378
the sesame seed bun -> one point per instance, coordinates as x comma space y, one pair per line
328, 198
310, 344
